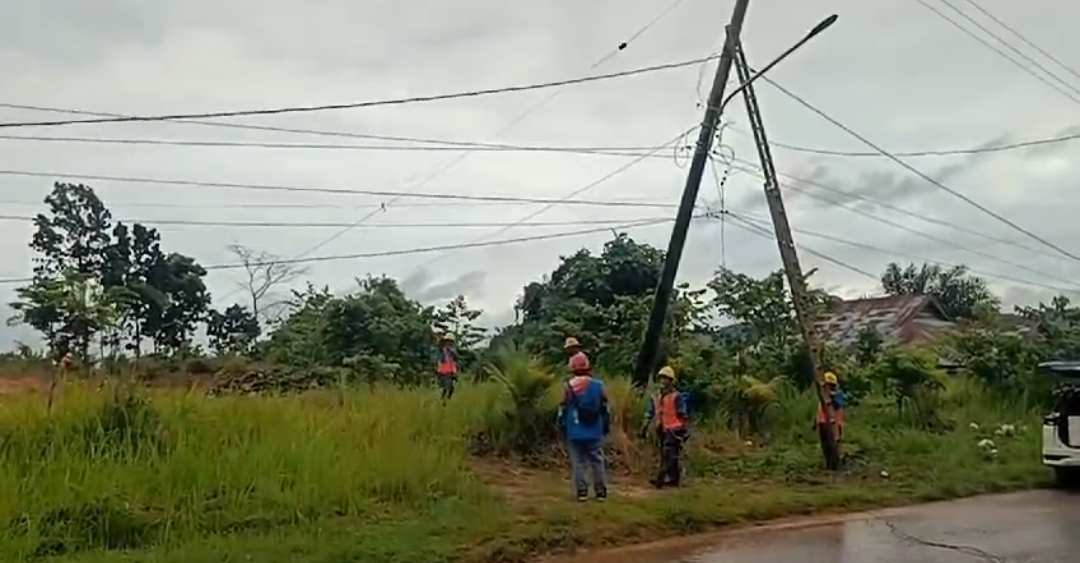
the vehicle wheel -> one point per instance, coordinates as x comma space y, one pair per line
1066, 477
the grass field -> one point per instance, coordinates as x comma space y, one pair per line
391, 475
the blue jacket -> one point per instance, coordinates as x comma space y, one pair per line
584, 390
839, 399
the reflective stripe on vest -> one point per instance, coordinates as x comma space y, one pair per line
447, 365
667, 411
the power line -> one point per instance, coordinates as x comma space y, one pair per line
942, 152
919, 173
721, 193
761, 231
461, 157
1011, 47
366, 104
799, 182
951, 244
1019, 35
420, 250
339, 191
899, 254
441, 145
316, 225
994, 48
641, 31
928, 236
578, 191
645, 203
940, 240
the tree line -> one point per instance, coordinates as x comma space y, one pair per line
105, 288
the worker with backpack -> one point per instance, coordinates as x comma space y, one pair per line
584, 420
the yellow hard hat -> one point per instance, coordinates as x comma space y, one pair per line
449, 337
571, 342
668, 372
830, 378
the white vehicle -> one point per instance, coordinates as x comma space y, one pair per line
1061, 428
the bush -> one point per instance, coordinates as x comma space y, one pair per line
524, 423
911, 378
1005, 362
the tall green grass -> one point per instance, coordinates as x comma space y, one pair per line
113, 468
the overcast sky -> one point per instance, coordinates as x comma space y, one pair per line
890, 69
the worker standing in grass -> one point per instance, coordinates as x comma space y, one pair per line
446, 367
838, 400
668, 415
584, 420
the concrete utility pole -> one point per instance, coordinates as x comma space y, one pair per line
804, 311
646, 362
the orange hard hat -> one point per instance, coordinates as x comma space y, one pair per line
579, 364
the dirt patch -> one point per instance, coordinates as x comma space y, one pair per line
21, 384
524, 485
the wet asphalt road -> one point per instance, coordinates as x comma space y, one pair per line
1032, 527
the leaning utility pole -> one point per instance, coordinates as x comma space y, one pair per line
646, 361
804, 311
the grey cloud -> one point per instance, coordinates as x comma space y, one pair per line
498, 319
67, 32
886, 186
425, 287
159, 57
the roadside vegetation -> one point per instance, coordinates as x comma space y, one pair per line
310, 430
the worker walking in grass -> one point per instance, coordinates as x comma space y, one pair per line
446, 367
667, 415
584, 420
837, 399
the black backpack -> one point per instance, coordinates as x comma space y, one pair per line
588, 413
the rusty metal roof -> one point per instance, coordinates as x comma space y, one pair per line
896, 318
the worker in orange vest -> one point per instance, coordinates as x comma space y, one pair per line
667, 414
446, 367
837, 400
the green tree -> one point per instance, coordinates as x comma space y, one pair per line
232, 331
378, 325
68, 310
765, 307
180, 302
911, 377
73, 234
296, 339
1057, 327
868, 345
69, 241
132, 258
960, 294
122, 271
602, 300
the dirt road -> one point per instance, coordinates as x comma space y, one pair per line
1031, 527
